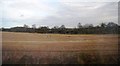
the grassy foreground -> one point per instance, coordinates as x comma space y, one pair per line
33, 48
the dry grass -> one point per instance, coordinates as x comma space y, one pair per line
33, 48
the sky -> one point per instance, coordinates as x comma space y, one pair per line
57, 12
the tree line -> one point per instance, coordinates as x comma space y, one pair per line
103, 28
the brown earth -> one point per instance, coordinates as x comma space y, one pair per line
57, 48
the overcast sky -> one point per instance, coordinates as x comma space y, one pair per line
57, 12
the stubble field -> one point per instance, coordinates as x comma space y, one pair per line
34, 48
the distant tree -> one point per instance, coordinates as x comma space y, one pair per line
111, 24
79, 25
112, 28
103, 25
62, 27
34, 26
44, 29
88, 25
26, 26
91, 25
0, 29
97, 26
5, 29
55, 29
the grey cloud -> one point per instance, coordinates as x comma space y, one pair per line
71, 16
69, 13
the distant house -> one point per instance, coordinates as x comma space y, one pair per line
22, 29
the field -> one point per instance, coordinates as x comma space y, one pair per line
34, 48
